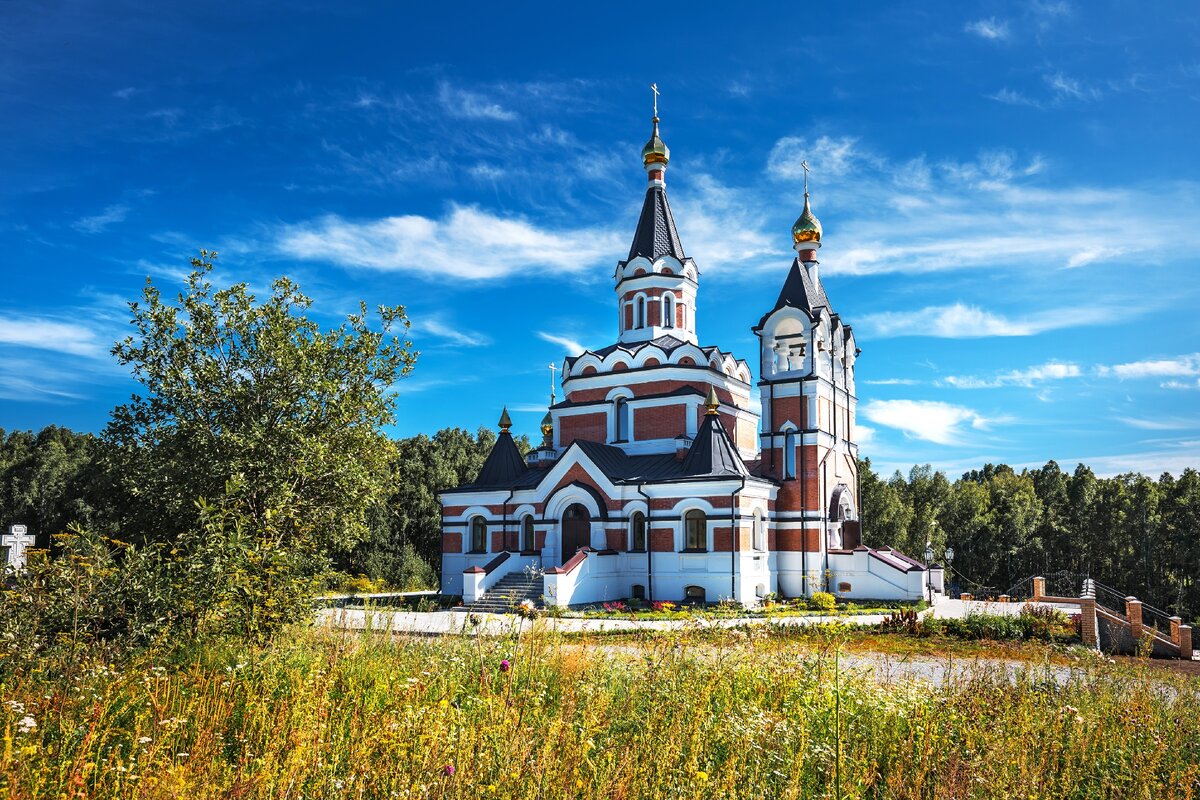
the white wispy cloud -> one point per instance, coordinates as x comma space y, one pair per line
1027, 377
572, 347
1149, 462
453, 334
468, 242
472, 105
928, 420
960, 214
990, 28
1162, 424
826, 155
893, 382
42, 333
960, 321
1176, 367
1066, 87
109, 216
1181, 384
723, 228
1012, 97
864, 434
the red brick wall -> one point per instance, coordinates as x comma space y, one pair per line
785, 409
589, 427
628, 317
615, 539
662, 540
793, 540
452, 542
497, 541
660, 422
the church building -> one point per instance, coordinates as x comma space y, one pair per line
658, 478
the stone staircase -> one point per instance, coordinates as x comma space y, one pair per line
509, 592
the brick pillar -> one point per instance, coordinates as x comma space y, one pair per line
1185, 642
1133, 613
1003, 598
1039, 588
1087, 623
966, 596
1175, 623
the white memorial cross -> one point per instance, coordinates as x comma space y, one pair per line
14, 542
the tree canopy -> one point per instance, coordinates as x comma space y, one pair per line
234, 387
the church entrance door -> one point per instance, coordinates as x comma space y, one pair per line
576, 530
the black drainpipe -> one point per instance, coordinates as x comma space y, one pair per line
649, 546
824, 544
733, 540
504, 521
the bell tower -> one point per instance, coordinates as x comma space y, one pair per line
806, 365
656, 284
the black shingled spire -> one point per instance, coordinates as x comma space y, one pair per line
504, 464
799, 291
656, 234
712, 453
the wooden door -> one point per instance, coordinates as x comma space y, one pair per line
576, 530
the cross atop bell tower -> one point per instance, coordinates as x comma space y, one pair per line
657, 282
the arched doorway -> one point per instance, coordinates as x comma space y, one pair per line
576, 530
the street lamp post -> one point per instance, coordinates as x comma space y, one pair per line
949, 561
928, 571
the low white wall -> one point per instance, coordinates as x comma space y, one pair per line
874, 579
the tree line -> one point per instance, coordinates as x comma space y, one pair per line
1132, 532
1136, 534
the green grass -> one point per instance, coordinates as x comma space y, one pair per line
755, 713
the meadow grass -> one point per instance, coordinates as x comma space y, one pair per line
747, 714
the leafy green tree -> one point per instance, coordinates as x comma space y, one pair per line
405, 544
885, 514
969, 527
235, 389
47, 480
926, 493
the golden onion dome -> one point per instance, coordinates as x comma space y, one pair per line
547, 425
655, 151
807, 228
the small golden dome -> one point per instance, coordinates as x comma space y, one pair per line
807, 228
655, 151
505, 420
547, 425
712, 402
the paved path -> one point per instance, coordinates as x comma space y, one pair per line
440, 623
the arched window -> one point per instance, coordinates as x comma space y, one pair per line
637, 532
639, 312
527, 541
695, 530
760, 533
478, 535
789, 454
621, 420
668, 310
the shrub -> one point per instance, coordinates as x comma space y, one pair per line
822, 601
903, 621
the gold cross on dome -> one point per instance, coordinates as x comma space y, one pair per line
553, 369
654, 88
806, 167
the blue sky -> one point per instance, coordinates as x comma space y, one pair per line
1010, 194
